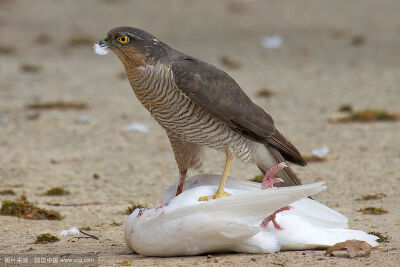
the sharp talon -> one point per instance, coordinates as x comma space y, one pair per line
216, 195
205, 198
272, 218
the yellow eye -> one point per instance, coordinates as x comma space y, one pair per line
105, 38
123, 39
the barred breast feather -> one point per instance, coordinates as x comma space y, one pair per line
154, 86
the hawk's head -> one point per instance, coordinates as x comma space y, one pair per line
134, 46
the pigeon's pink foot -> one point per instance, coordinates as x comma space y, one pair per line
268, 181
272, 218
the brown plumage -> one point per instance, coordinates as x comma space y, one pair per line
199, 105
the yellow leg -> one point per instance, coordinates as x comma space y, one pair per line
220, 192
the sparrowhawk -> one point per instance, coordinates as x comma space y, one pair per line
199, 105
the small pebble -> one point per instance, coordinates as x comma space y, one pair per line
84, 119
31, 114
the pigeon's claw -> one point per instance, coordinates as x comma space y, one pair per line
268, 181
272, 218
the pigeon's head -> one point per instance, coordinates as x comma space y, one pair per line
133, 46
130, 226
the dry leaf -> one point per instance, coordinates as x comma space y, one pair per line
353, 248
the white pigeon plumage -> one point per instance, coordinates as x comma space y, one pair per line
185, 226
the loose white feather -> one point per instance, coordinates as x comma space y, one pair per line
70, 231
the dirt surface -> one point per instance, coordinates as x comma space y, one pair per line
333, 53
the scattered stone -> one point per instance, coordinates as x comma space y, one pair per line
122, 75
30, 68
373, 211
3, 115
31, 114
317, 154
304, 51
320, 152
7, 192
272, 42
345, 108
46, 238
372, 196
338, 33
240, 6
311, 158
57, 191
27, 210
138, 127
84, 119
230, 62
124, 116
43, 38
358, 40
85, 228
7, 50
126, 263
59, 105
264, 92
96, 176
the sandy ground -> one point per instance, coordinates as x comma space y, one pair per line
317, 69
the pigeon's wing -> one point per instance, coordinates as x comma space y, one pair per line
314, 212
255, 205
216, 92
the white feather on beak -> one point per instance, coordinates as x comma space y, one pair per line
100, 50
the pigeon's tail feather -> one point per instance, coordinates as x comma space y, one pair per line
311, 237
318, 214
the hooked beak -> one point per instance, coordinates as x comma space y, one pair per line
104, 42
101, 48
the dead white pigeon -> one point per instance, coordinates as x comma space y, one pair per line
246, 221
